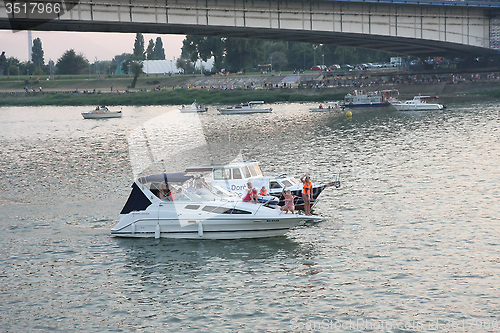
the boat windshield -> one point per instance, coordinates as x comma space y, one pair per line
181, 187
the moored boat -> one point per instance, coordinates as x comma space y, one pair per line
182, 206
235, 176
418, 103
368, 99
101, 112
245, 108
193, 108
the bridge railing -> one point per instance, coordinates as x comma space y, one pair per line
460, 3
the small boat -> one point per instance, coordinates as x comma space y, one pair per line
245, 108
198, 211
330, 106
235, 176
368, 99
101, 112
418, 103
193, 108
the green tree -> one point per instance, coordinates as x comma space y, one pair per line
136, 69
3, 64
71, 63
278, 60
242, 53
159, 51
139, 46
150, 50
204, 48
37, 53
186, 65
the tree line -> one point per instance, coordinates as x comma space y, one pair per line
236, 54
72, 63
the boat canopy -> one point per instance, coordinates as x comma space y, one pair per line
179, 177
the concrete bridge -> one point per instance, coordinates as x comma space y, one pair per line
412, 27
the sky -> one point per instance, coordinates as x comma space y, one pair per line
103, 46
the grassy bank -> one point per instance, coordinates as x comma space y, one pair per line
69, 90
168, 97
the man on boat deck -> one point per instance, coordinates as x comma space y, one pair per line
307, 193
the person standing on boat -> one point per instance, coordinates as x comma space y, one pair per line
289, 205
307, 193
251, 193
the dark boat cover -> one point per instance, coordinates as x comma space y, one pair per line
136, 201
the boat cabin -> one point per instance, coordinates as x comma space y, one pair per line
235, 177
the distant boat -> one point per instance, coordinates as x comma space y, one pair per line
368, 99
101, 112
244, 108
418, 103
193, 108
330, 106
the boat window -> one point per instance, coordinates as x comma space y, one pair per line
274, 185
257, 169
237, 173
252, 170
237, 211
287, 183
224, 210
193, 207
221, 173
246, 172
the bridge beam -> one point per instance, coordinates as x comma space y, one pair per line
406, 29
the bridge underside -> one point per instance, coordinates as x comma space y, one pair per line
399, 45
397, 28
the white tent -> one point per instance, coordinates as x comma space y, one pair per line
160, 67
170, 66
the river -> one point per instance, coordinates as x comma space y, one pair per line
409, 243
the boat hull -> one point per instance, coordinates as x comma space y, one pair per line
230, 111
193, 110
364, 105
435, 107
106, 115
144, 227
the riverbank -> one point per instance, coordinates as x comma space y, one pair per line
214, 90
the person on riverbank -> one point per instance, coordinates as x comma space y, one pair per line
307, 193
251, 193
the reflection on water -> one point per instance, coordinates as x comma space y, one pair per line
410, 237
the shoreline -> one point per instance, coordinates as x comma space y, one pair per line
181, 90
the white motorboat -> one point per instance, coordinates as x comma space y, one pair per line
198, 211
193, 108
418, 103
368, 99
330, 106
235, 176
101, 112
245, 108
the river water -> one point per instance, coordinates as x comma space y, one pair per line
409, 243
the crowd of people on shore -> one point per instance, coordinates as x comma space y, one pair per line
306, 81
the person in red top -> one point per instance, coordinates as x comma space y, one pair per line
307, 193
251, 194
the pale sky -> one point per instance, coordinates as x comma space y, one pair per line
103, 46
